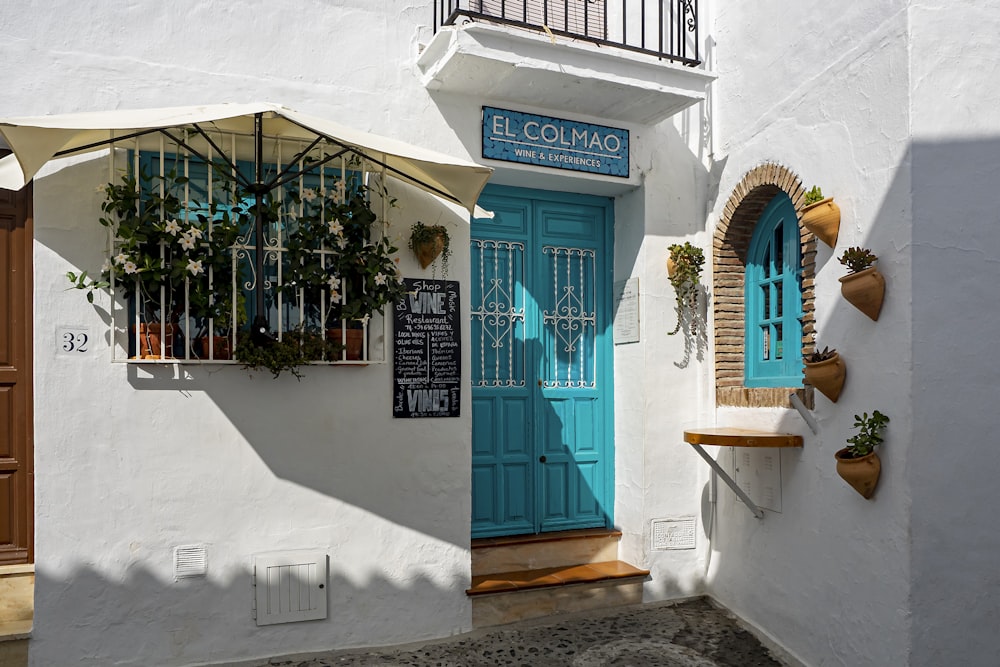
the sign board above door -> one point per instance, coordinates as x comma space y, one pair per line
514, 136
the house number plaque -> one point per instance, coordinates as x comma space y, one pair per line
72, 341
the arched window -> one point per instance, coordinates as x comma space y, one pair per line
773, 299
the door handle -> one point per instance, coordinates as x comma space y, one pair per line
541, 459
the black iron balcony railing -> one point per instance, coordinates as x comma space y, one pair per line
667, 29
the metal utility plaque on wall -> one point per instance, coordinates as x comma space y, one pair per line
544, 141
671, 534
758, 473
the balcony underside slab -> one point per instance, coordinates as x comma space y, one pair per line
504, 64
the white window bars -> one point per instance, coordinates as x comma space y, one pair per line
188, 278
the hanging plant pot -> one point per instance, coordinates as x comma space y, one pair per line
827, 376
823, 220
150, 336
861, 473
684, 272
864, 290
428, 242
429, 250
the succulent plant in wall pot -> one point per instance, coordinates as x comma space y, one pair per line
858, 464
684, 272
821, 216
826, 371
863, 286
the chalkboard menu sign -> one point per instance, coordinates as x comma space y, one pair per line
427, 350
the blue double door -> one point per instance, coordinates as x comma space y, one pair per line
542, 441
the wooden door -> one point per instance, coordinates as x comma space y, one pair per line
16, 474
542, 431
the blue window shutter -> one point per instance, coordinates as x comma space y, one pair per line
773, 299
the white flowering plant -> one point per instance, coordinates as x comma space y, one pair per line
172, 254
326, 261
344, 267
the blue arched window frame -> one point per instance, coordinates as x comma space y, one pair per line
773, 299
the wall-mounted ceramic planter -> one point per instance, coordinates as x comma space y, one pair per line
865, 291
823, 220
827, 376
861, 473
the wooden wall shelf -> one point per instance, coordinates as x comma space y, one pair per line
740, 437
737, 437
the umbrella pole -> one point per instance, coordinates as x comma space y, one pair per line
260, 327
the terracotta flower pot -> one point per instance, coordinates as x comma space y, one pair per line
823, 220
150, 337
354, 344
864, 290
222, 347
827, 376
861, 473
427, 251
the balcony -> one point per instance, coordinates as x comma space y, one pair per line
667, 29
629, 60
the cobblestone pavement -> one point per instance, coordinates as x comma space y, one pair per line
689, 634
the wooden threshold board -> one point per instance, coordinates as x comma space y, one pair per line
503, 582
585, 533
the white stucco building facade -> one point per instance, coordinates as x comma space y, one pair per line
888, 106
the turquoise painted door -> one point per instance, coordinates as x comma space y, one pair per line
542, 457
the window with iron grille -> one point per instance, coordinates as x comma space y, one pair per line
211, 254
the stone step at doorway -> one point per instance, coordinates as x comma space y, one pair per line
531, 576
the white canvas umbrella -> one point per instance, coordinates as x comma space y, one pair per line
35, 141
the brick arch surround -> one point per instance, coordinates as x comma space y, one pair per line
730, 245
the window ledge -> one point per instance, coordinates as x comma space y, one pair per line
763, 397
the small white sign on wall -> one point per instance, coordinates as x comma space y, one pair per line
626, 313
73, 341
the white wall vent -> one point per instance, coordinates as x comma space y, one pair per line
289, 586
190, 560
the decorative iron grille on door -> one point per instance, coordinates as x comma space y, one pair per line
498, 312
570, 323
